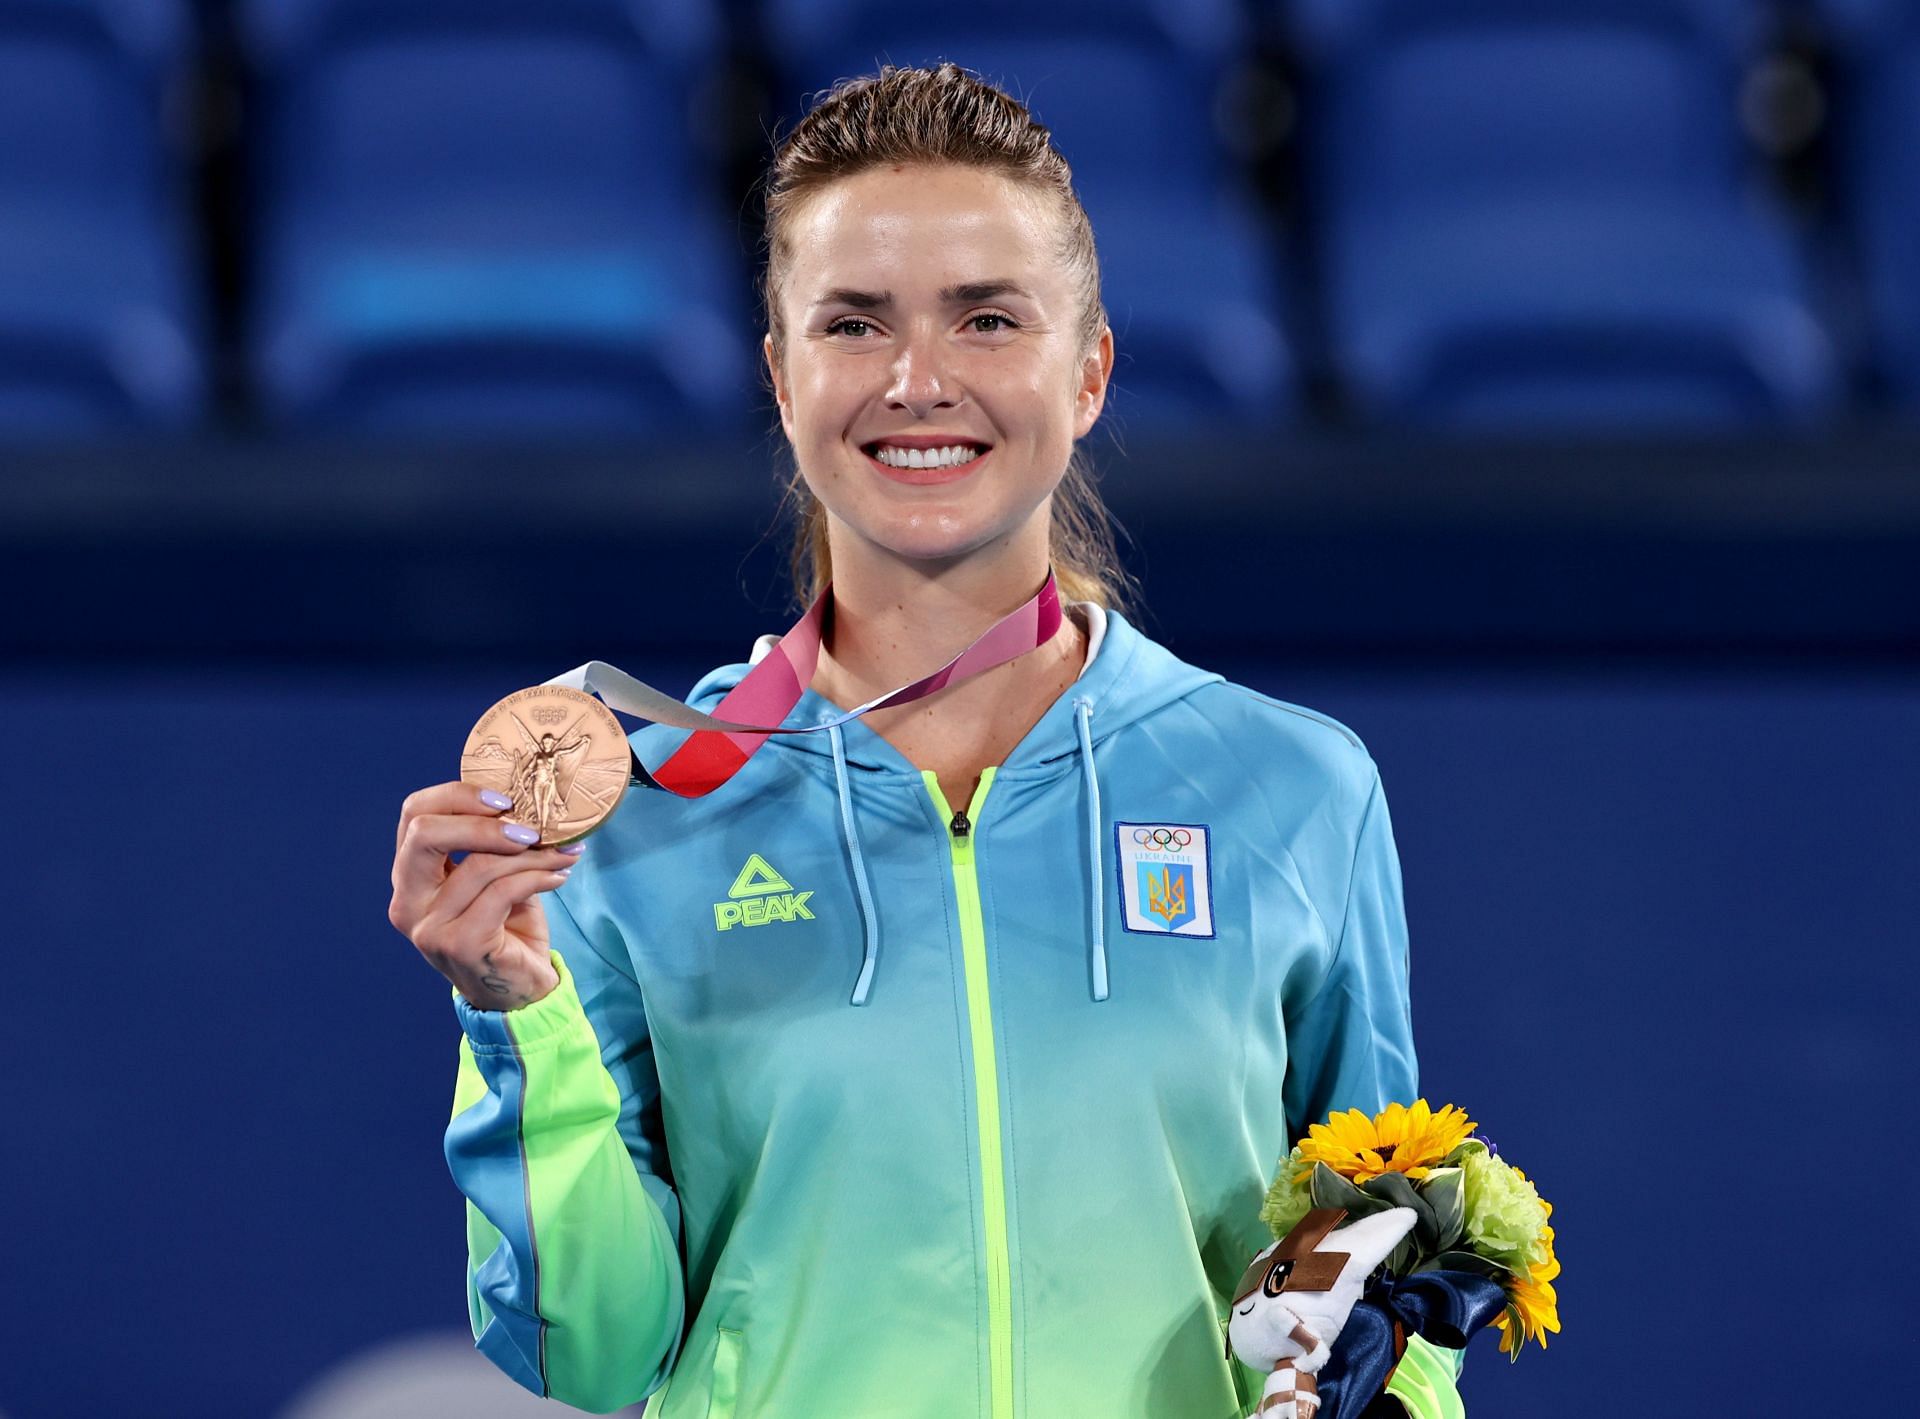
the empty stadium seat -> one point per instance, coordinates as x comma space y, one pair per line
492, 215
1129, 91
102, 325
1877, 116
1537, 215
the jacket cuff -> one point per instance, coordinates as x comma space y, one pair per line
1425, 1381
550, 1017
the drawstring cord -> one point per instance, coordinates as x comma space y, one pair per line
1083, 721
859, 869
1083, 724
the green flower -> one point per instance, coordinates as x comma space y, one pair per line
1505, 1217
1287, 1200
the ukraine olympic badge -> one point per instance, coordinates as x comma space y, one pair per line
1166, 878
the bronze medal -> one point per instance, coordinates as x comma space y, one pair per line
558, 753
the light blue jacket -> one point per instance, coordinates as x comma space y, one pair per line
855, 1102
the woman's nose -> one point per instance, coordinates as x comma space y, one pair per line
920, 382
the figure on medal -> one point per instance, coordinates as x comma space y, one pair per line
543, 775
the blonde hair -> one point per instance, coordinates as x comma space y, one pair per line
936, 116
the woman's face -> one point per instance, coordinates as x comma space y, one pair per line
928, 309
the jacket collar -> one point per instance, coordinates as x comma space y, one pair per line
1127, 676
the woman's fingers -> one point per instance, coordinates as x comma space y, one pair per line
459, 942
465, 888
457, 796
422, 860
457, 916
427, 839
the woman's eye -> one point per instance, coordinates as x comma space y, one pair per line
844, 326
1005, 323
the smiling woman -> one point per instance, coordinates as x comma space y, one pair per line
930, 372
1022, 1176
912, 165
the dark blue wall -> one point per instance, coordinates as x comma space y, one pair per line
1663, 934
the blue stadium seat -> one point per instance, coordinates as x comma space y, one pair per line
1878, 124
1128, 89
102, 322
492, 216
1536, 215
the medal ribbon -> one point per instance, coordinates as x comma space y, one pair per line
752, 711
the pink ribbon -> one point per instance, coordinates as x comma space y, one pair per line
753, 711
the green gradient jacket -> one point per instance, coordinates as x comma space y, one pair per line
851, 1104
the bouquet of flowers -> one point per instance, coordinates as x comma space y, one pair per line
1441, 1236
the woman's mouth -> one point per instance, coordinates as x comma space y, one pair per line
925, 465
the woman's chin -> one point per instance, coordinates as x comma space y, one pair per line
941, 549
936, 531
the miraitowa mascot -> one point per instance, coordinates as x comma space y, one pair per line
1290, 1306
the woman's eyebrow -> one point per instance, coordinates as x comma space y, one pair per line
859, 300
951, 295
982, 291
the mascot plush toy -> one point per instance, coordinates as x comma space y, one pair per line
1290, 1306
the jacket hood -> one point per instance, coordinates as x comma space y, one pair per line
1127, 677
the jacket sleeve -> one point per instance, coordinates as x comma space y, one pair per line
1350, 1043
1426, 1381
574, 1270
1350, 1046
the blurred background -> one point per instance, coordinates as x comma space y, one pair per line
1535, 388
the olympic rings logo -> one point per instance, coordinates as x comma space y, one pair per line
1162, 838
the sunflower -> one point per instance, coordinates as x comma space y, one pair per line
1532, 1308
1398, 1140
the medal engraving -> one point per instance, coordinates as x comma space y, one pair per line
558, 753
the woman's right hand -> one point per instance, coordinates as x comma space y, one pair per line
478, 922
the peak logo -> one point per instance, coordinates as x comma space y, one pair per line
760, 895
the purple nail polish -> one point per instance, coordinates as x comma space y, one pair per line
495, 799
574, 848
520, 833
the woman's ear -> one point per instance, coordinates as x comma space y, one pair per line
1095, 371
772, 358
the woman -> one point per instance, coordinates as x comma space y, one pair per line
938, 1064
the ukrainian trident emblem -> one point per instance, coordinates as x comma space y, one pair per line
1167, 889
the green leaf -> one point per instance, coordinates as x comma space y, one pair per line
1329, 1189
1471, 1145
1404, 1257
1445, 1192
1397, 1190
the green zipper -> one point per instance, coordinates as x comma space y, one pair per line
986, 1086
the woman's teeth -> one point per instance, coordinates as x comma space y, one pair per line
925, 457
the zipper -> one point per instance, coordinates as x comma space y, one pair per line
986, 1088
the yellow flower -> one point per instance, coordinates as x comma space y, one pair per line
1534, 1309
1399, 1140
